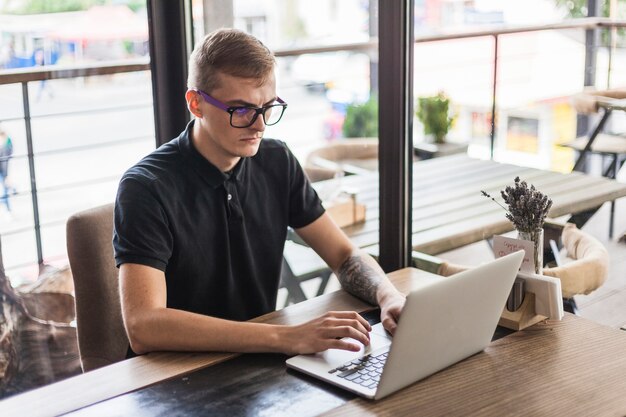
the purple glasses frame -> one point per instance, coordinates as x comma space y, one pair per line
257, 110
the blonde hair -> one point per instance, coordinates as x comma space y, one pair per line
231, 52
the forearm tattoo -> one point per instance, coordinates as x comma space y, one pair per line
359, 279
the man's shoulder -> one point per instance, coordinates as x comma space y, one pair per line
160, 164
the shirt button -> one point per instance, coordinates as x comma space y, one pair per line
229, 197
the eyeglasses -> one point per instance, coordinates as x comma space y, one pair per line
245, 116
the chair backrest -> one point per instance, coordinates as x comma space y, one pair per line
332, 156
102, 338
585, 272
359, 148
589, 268
316, 174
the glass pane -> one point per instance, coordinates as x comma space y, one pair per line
461, 71
11, 104
318, 99
85, 131
20, 216
539, 72
19, 251
62, 33
106, 110
58, 205
296, 23
512, 78
89, 94
89, 165
53, 241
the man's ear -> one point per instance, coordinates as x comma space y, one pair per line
193, 103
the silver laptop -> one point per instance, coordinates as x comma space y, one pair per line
444, 321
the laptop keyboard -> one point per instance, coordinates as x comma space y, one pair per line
364, 371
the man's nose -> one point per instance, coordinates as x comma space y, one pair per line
259, 123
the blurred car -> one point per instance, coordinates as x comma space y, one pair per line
324, 71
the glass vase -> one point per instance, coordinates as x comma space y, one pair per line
535, 236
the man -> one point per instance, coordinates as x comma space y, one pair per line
200, 223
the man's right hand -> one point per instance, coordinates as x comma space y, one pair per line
326, 332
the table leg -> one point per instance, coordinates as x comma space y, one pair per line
581, 157
612, 219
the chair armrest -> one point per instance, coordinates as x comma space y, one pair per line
426, 262
590, 101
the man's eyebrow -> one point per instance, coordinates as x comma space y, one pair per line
246, 104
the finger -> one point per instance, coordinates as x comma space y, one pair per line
364, 322
394, 312
352, 315
343, 345
390, 325
347, 331
352, 323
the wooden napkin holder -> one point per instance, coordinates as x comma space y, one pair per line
344, 210
524, 316
542, 299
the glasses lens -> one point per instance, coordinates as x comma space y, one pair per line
242, 117
273, 114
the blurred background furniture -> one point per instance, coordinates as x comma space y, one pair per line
102, 338
316, 174
347, 156
37, 336
449, 211
302, 264
593, 102
607, 145
581, 263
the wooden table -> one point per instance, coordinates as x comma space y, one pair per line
572, 367
448, 209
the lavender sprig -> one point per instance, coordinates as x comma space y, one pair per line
494, 200
527, 206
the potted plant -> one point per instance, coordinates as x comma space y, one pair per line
362, 119
434, 113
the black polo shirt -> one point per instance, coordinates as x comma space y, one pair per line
219, 238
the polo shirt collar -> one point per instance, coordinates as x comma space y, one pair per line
209, 172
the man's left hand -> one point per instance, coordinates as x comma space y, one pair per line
390, 312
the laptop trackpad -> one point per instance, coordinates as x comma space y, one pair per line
379, 330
